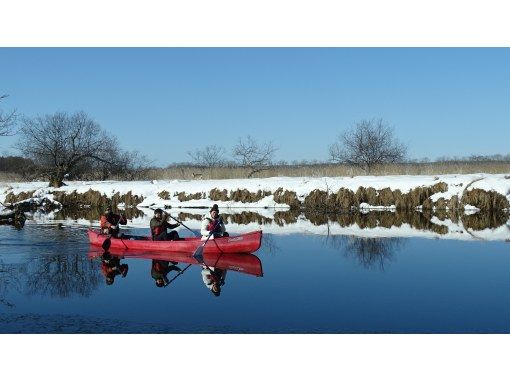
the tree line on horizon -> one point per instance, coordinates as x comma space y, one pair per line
61, 146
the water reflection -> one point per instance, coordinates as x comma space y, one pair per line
60, 275
94, 213
8, 281
14, 218
440, 222
160, 270
368, 252
111, 267
165, 264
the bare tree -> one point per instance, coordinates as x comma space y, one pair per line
211, 156
7, 120
367, 144
59, 143
254, 156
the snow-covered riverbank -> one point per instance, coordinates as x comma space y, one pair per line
470, 192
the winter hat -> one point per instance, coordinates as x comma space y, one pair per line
214, 208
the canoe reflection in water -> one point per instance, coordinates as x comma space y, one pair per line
164, 264
111, 267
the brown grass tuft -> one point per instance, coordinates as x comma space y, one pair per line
23, 196
287, 197
164, 195
218, 195
485, 200
183, 197
245, 196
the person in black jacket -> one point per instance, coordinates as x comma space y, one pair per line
159, 226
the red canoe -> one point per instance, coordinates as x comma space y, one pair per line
239, 262
244, 243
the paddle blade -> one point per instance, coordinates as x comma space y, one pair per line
107, 243
199, 254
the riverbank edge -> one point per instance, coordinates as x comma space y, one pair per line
462, 193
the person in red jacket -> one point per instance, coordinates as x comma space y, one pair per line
109, 222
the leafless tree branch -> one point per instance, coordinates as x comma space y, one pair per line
367, 144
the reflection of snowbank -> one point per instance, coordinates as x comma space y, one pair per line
450, 229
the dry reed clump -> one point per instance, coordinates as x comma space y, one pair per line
14, 198
287, 197
366, 195
345, 199
484, 219
75, 200
320, 200
245, 196
441, 204
439, 187
164, 195
385, 197
95, 198
285, 217
485, 200
218, 195
183, 197
129, 199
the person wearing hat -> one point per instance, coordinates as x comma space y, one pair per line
109, 222
159, 226
212, 223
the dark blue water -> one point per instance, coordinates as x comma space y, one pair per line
48, 284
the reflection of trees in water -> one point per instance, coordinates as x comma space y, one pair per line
369, 252
366, 220
94, 213
269, 244
62, 275
8, 281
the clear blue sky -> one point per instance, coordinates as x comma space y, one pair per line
165, 102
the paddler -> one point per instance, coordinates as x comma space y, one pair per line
109, 222
212, 222
159, 226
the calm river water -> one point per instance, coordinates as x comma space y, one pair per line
51, 281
